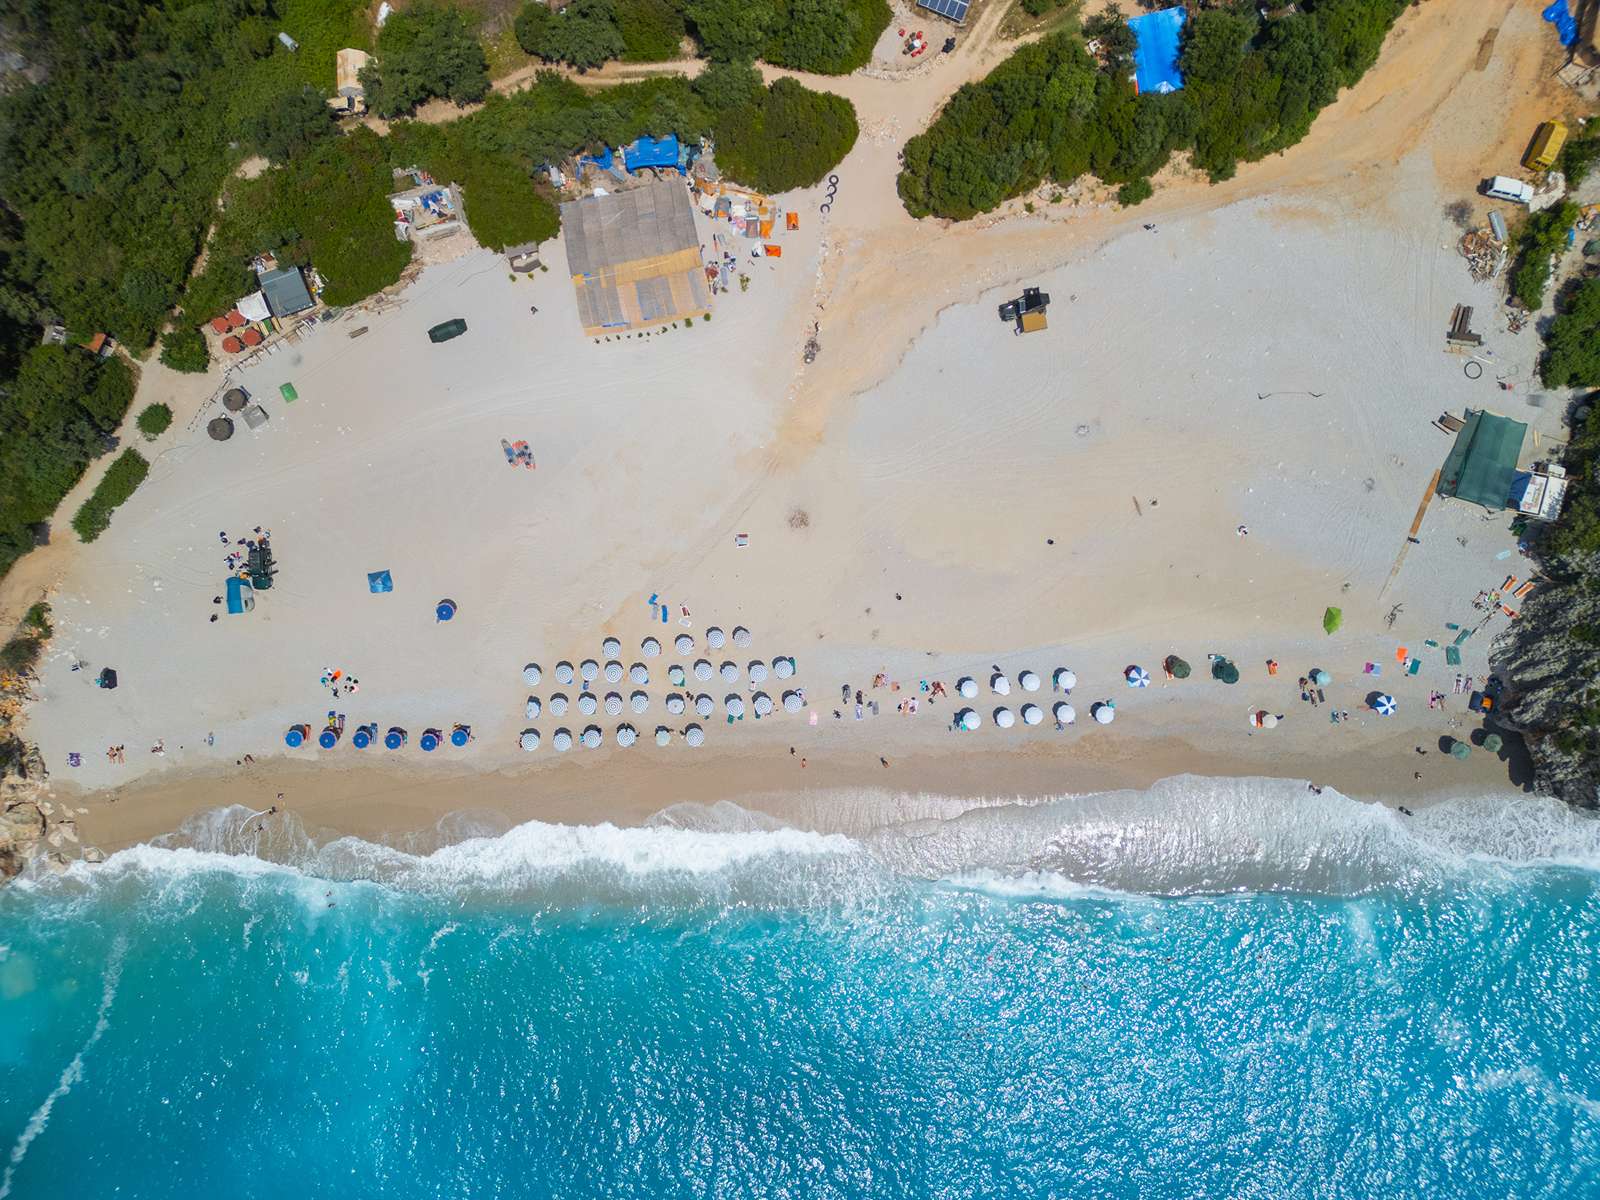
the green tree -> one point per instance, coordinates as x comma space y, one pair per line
1134, 192
289, 125
727, 87
732, 30
584, 34
154, 420
1572, 345
184, 349
1541, 237
792, 139
1111, 29
652, 30
425, 51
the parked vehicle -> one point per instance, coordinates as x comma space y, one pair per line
455, 327
1547, 143
1503, 187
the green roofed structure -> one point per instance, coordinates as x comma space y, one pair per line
1483, 462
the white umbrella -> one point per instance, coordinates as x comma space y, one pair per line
533, 707
626, 735
558, 705
704, 705
592, 737
1065, 679
639, 702
1269, 722
741, 636
702, 670
587, 703
968, 687
729, 672
1004, 718
763, 704
1104, 712
1065, 713
1031, 714
563, 672
969, 719
649, 647
694, 735
714, 638
613, 672
792, 702
758, 671
638, 674
613, 704
999, 684
783, 668
675, 675
675, 704
611, 647
1029, 681
663, 735
531, 675
684, 644
562, 740
529, 739
735, 706
588, 669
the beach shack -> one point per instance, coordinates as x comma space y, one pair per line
349, 96
1481, 467
425, 209
285, 291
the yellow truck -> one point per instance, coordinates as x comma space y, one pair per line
1547, 143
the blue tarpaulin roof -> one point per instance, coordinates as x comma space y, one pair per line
1155, 58
652, 152
601, 160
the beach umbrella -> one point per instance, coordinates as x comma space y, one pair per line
592, 737
783, 668
613, 704
702, 670
763, 704
1029, 681
1224, 670
379, 582
362, 739
234, 399
532, 708
1492, 743
729, 672
703, 705
611, 647
395, 738
328, 738
460, 735
1176, 667
220, 429
1064, 713
564, 672
1332, 618
1137, 677
1104, 712
1066, 679
1459, 749
650, 647
694, 735
1383, 705
735, 706
613, 672
792, 702
1268, 721
741, 637
675, 675
295, 737
968, 687
639, 702
531, 674
675, 704
558, 705
638, 674
715, 638
444, 610
968, 719
684, 644
663, 735
529, 739
1321, 678
429, 742
588, 670
758, 671
587, 703
1004, 718
562, 740
999, 684
1031, 714
626, 735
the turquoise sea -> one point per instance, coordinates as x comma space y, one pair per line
1225, 988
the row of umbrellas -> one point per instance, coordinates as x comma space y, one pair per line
1104, 712
676, 703
593, 737
431, 739
590, 670
1062, 679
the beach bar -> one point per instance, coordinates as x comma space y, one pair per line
634, 257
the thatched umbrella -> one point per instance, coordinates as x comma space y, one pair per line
533, 707
792, 702
613, 704
783, 668
639, 702
702, 670
592, 737
704, 705
729, 672
638, 674
735, 706
220, 428
626, 735
758, 671
588, 670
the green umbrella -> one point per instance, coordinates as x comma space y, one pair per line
1460, 749
1332, 619
1492, 743
1176, 667
1321, 678
1224, 670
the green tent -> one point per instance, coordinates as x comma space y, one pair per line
1177, 667
1224, 670
1332, 619
1482, 464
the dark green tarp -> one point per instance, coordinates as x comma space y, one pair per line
1483, 462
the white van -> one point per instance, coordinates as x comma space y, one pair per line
1502, 187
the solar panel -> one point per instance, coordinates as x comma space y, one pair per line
955, 10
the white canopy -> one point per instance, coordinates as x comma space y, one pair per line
702, 670
663, 735
592, 737
763, 704
675, 704
1066, 679
715, 638
1004, 718
588, 669
563, 672
533, 707
967, 686
1029, 681
735, 706
1031, 714
611, 647
999, 684
1105, 712
639, 702
562, 740
529, 739
969, 719
558, 705
694, 735
704, 705
638, 674
649, 647
729, 672
675, 675
758, 671
684, 644
613, 672
1065, 713
587, 703
613, 704
626, 735
531, 675
741, 636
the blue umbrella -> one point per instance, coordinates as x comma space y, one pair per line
295, 737
1384, 706
328, 738
444, 610
459, 735
429, 742
362, 739
395, 738
1137, 677
379, 582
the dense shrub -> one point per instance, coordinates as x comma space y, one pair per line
1136, 192
1572, 344
184, 348
790, 139
121, 480
1542, 235
425, 51
154, 420
1578, 157
289, 124
831, 37
503, 206
652, 30
583, 35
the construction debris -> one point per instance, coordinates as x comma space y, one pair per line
1485, 256
1460, 331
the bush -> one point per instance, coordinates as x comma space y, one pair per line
1578, 158
652, 30
1541, 237
1134, 192
830, 37
155, 420
121, 480
425, 51
289, 124
584, 34
1572, 345
791, 139
184, 348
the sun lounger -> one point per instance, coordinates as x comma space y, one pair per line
1522, 592
1452, 656
1416, 665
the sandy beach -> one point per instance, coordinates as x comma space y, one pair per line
933, 498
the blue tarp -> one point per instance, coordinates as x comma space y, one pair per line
601, 160
1566, 27
1155, 58
652, 152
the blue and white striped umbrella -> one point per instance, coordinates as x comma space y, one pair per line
1137, 677
1384, 706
